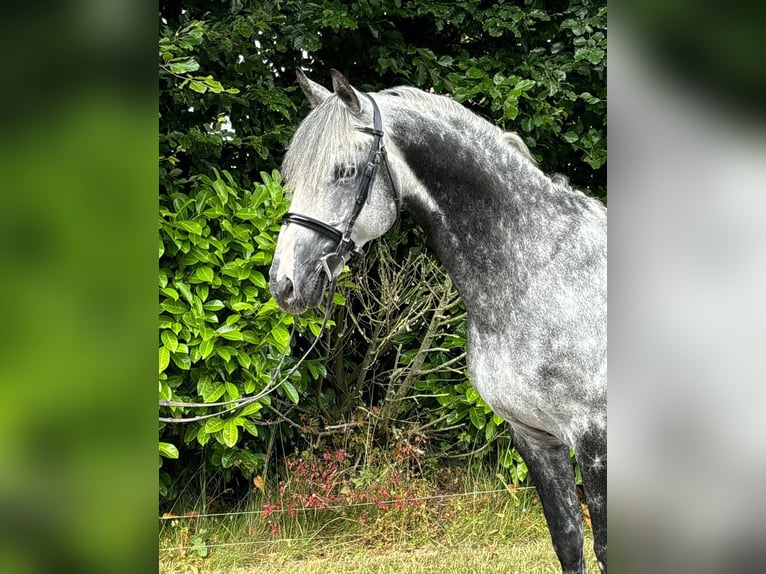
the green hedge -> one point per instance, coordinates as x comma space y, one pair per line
221, 335
228, 106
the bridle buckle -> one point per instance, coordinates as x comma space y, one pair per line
332, 264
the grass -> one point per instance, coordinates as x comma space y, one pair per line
423, 560
435, 529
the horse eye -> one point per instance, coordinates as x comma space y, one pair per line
344, 171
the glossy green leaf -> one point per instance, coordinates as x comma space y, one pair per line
475, 73
291, 392
170, 292
204, 273
250, 409
198, 86
244, 359
571, 137
190, 226
213, 425
183, 288
232, 392
206, 348
184, 65
281, 335
203, 438
181, 360
214, 305
247, 213
168, 450
338, 299
477, 417
176, 308
233, 335
250, 426
169, 339
258, 279
524, 85
490, 430
230, 433
242, 306
164, 358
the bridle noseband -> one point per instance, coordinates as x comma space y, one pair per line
346, 248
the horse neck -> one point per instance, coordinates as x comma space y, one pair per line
478, 199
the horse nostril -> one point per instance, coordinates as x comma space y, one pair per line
283, 288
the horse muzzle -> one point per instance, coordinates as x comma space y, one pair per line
295, 297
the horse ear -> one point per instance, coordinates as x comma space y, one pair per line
315, 93
345, 92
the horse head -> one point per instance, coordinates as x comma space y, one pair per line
338, 204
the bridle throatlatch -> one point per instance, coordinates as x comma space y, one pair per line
346, 249
332, 265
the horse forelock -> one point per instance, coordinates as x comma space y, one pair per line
323, 139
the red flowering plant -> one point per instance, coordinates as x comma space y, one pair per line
322, 486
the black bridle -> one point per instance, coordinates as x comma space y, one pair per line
346, 248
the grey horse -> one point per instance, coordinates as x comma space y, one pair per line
526, 252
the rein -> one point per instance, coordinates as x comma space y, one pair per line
271, 387
332, 264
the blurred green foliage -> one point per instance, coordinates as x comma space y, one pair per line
77, 250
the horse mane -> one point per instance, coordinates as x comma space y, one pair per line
514, 140
326, 129
431, 102
435, 104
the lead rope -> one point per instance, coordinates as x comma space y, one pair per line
271, 387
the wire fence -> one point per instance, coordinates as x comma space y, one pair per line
271, 510
342, 506
273, 541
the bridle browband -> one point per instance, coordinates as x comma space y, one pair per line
346, 248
